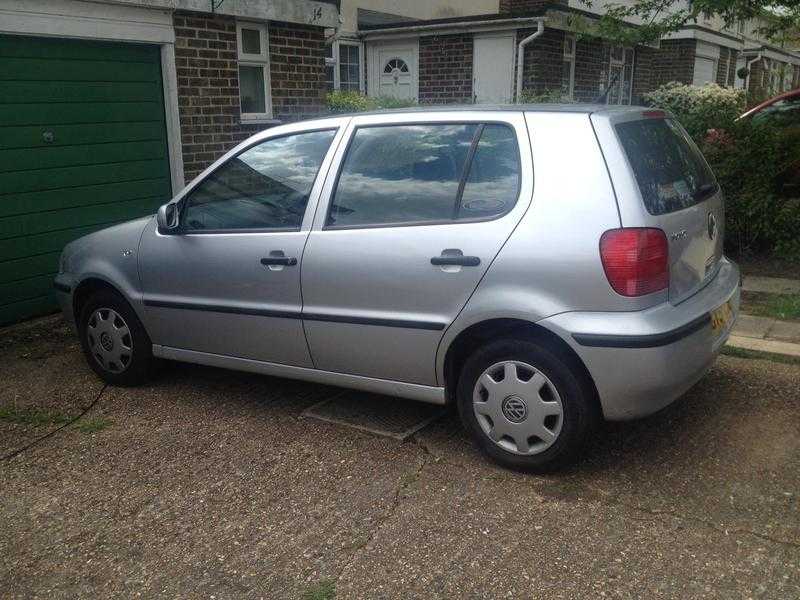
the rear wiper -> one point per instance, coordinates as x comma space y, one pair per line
705, 190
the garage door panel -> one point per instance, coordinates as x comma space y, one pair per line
44, 69
32, 224
20, 204
93, 113
50, 179
26, 289
16, 311
25, 268
83, 146
87, 133
38, 159
23, 92
28, 47
54, 241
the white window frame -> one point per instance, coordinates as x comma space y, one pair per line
255, 60
570, 41
334, 62
621, 63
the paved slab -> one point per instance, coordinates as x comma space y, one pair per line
752, 327
771, 285
770, 346
785, 331
209, 483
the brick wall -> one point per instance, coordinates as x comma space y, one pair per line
208, 82
541, 71
643, 75
674, 62
445, 69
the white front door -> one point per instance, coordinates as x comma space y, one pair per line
493, 68
393, 70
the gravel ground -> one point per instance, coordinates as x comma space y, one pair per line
208, 483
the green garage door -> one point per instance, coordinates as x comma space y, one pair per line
83, 145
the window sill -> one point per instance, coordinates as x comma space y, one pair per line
260, 121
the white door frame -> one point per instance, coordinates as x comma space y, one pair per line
114, 23
509, 66
374, 68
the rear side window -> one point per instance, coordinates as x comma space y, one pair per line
417, 174
670, 172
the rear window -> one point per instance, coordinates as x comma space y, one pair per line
669, 170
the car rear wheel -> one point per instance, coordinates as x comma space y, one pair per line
114, 341
527, 406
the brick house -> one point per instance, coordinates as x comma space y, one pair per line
472, 57
107, 107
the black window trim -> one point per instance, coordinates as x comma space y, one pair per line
457, 201
184, 201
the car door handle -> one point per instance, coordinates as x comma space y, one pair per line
458, 260
287, 261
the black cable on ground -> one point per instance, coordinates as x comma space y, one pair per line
57, 429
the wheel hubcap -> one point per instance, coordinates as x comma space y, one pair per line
518, 407
109, 340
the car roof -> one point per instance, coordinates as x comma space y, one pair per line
539, 108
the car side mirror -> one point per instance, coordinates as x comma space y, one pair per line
167, 218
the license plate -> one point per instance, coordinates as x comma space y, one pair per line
720, 317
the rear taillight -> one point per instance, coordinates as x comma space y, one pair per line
636, 260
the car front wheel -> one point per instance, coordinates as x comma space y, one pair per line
526, 405
114, 341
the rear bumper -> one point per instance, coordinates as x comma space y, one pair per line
642, 361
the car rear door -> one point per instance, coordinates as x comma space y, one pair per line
418, 205
663, 181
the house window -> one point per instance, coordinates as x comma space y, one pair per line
343, 62
568, 67
620, 75
254, 87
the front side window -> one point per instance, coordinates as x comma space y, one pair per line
670, 172
265, 187
415, 174
343, 66
253, 53
620, 75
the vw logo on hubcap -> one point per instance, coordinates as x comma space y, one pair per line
106, 342
515, 409
712, 226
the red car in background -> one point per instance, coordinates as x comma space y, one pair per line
783, 108
783, 111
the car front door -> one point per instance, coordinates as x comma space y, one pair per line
417, 210
227, 282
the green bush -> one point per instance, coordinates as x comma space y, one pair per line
748, 159
344, 102
699, 108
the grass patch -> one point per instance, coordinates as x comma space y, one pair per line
32, 416
756, 354
94, 425
322, 590
785, 307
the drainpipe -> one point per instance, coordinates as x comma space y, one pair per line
521, 55
747, 79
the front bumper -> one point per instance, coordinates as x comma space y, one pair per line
64, 287
642, 361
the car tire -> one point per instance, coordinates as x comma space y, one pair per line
114, 340
527, 406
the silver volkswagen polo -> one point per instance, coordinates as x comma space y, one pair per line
542, 267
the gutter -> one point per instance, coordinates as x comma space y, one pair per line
521, 55
758, 57
466, 25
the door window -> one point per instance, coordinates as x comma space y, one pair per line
418, 174
265, 187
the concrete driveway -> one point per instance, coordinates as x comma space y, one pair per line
208, 483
